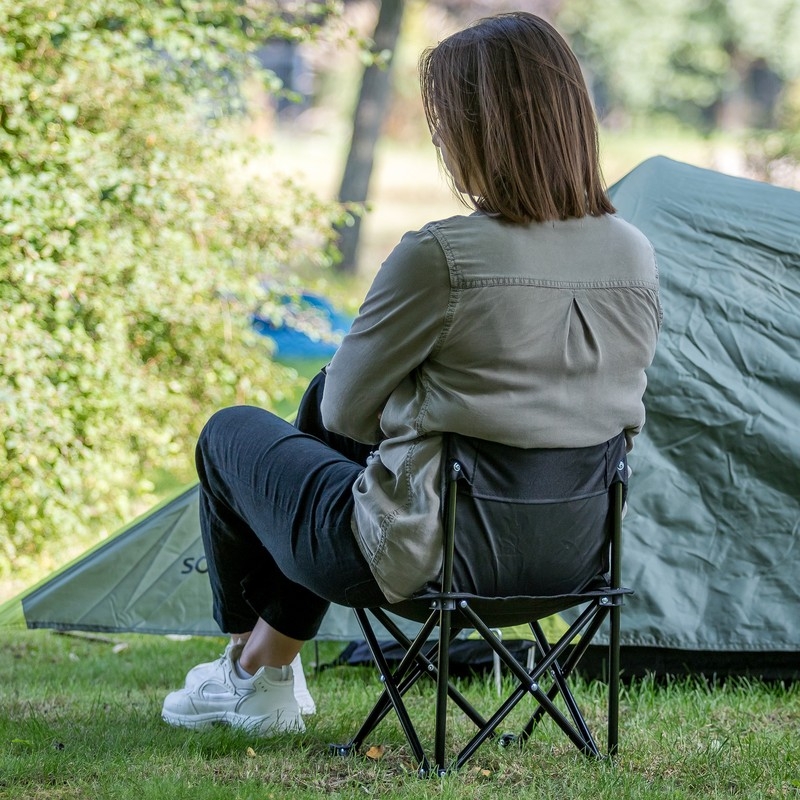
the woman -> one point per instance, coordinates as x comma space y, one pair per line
529, 322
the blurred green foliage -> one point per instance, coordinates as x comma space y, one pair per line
134, 238
691, 58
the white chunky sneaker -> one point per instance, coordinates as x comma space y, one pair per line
263, 705
201, 672
196, 675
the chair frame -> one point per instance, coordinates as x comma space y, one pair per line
451, 612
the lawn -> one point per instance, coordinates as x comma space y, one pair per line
80, 719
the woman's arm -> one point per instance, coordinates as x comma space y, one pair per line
397, 327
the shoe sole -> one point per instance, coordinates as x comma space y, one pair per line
260, 726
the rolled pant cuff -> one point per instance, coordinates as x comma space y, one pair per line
299, 620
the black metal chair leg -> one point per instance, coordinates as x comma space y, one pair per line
429, 667
613, 682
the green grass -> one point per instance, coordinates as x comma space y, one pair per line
80, 718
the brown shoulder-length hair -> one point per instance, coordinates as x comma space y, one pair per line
507, 100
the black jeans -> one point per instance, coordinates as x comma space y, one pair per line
275, 512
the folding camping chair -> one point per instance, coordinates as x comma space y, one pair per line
486, 485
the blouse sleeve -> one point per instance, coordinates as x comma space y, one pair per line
398, 326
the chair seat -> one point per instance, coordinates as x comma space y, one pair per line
502, 612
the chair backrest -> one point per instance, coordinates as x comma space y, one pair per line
531, 521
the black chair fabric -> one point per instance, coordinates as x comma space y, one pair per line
532, 521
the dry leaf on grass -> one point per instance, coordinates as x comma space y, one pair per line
376, 752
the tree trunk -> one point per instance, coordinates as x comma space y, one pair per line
371, 108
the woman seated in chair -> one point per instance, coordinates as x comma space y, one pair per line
528, 322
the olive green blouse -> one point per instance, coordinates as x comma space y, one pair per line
530, 335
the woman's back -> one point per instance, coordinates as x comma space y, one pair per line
546, 331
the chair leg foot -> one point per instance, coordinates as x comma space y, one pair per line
507, 740
425, 771
342, 750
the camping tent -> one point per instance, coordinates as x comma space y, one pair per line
714, 516
716, 484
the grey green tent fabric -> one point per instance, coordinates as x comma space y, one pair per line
713, 540
712, 536
148, 577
